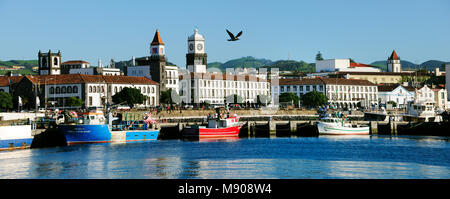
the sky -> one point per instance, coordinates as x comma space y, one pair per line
365, 31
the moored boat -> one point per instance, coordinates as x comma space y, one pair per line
92, 128
15, 137
217, 127
338, 126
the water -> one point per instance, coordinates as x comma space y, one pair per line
325, 157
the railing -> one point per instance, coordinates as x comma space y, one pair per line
130, 125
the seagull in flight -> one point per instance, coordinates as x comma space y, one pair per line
232, 37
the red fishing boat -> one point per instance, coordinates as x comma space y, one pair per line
217, 127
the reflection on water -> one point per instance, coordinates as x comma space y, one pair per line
321, 157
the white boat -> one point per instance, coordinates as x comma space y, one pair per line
338, 126
422, 111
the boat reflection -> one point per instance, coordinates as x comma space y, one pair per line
213, 139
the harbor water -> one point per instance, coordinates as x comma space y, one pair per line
324, 157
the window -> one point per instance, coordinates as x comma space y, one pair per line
75, 89
55, 61
90, 100
90, 89
115, 89
52, 90
58, 90
69, 89
63, 89
94, 89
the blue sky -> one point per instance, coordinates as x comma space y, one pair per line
366, 31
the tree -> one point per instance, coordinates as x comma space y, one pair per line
394, 104
319, 56
131, 96
314, 99
6, 101
262, 99
289, 97
234, 99
74, 101
165, 97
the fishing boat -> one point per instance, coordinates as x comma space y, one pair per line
338, 126
15, 137
93, 127
422, 111
217, 127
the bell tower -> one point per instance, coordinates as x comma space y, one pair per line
158, 61
196, 56
393, 63
49, 63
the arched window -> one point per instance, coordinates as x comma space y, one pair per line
90, 89
63, 89
148, 89
75, 89
94, 89
103, 89
52, 90
55, 61
115, 89
153, 89
69, 89
98, 89
58, 90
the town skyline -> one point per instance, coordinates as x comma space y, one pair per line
295, 31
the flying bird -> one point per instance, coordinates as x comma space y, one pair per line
232, 37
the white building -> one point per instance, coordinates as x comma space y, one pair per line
396, 93
342, 93
172, 78
216, 88
94, 90
344, 65
74, 64
447, 80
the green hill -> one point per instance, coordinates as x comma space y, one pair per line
251, 62
407, 65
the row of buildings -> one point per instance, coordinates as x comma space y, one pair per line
345, 84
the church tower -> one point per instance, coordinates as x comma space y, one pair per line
49, 63
393, 63
158, 61
196, 56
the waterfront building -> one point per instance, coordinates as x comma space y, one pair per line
447, 80
342, 93
397, 93
49, 63
440, 98
93, 90
83, 67
377, 77
216, 88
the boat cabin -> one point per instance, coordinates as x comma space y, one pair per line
223, 123
93, 117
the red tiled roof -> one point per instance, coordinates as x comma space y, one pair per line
352, 64
5, 80
342, 81
75, 62
394, 55
157, 39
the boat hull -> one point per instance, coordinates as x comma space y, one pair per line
15, 137
201, 132
81, 134
327, 129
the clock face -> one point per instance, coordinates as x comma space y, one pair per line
199, 47
191, 46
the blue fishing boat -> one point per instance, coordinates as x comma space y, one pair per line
92, 127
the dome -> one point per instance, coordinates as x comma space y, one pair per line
196, 36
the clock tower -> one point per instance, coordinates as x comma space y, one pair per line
196, 56
49, 63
